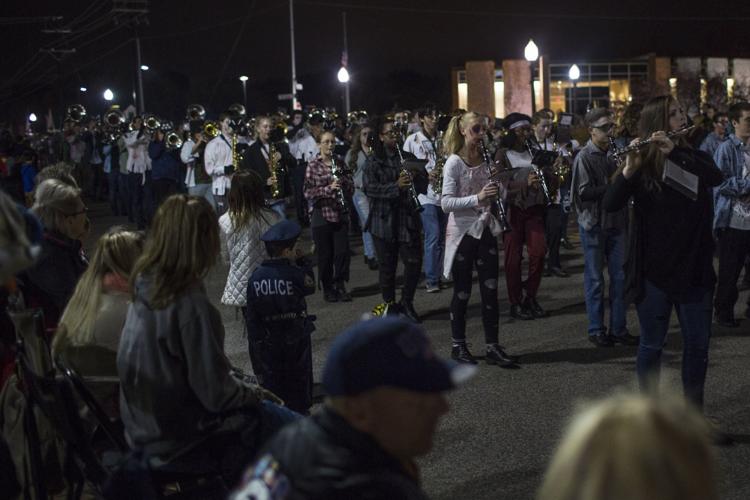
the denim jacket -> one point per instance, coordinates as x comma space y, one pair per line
730, 160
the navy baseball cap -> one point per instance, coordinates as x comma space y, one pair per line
282, 231
388, 352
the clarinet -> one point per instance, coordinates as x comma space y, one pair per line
501, 216
416, 206
337, 174
540, 175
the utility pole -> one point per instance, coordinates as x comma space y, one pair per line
294, 65
345, 64
134, 12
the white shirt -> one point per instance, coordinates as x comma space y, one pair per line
518, 160
423, 148
188, 158
138, 160
218, 155
303, 146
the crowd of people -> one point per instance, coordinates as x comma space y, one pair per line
652, 194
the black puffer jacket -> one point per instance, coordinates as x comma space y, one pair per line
323, 457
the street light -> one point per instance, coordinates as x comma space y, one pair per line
343, 75
244, 79
83, 89
108, 95
144, 67
32, 117
531, 53
574, 73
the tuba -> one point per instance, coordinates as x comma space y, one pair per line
195, 112
173, 140
76, 112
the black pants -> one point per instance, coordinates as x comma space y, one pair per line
734, 246
298, 182
553, 232
286, 370
163, 189
332, 246
411, 256
481, 253
141, 198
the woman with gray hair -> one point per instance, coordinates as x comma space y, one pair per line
49, 284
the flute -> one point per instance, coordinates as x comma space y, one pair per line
619, 154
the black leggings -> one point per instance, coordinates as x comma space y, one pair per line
483, 253
332, 246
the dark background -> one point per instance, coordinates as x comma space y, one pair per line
400, 52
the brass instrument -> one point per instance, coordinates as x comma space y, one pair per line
440, 159
76, 112
151, 123
502, 217
337, 172
114, 126
540, 175
196, 112
619, 154
237, 110
235, 154
273, 167
210, 130
173, 140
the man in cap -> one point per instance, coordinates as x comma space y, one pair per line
385, 389
278, 326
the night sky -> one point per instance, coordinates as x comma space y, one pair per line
399, 51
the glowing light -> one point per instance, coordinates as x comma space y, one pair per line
574, 73
531, 52
32, 117
343, 75
108, 95
244, 78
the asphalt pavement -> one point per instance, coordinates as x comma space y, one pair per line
503, 425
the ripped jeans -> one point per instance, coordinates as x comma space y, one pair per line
482, 253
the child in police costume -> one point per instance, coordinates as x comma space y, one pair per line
278, 325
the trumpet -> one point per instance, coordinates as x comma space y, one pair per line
619, 154
502, 217
540, 175
337, 172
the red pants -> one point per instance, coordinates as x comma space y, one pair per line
527, 226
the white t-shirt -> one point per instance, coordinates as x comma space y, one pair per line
423, 148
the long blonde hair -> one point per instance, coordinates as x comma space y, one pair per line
453, 140
631, 446
116, 252
180, 249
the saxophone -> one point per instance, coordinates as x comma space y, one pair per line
273, 166
235, 155
440, 158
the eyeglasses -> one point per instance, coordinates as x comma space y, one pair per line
604, 128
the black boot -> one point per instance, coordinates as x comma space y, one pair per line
460, 353
496, 356
409, 312
533, 306
341, 291
330, 295
372, 264
518, 311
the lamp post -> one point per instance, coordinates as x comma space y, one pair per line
574, 73
244, 79
531, 53
343, 74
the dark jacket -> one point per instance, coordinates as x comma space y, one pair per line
323, 457
671, 237
164, 163
50, 283
253, 159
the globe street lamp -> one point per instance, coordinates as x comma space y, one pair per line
531, 53
32, 117
144, 67
574, 73
244, 79
108, 95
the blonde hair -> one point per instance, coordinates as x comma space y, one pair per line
181, 247
628, 447
116, 252
454, 141
53, 201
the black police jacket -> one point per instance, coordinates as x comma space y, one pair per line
276, 305
323, 457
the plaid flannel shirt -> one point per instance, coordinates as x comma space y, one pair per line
318, 192
391, 217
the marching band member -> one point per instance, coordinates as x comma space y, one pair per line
139, 173
422, 144
526, 208
218, 162
260, 159
356, 160
670, 258
471, 237
326, 190
192, 154
394, 224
